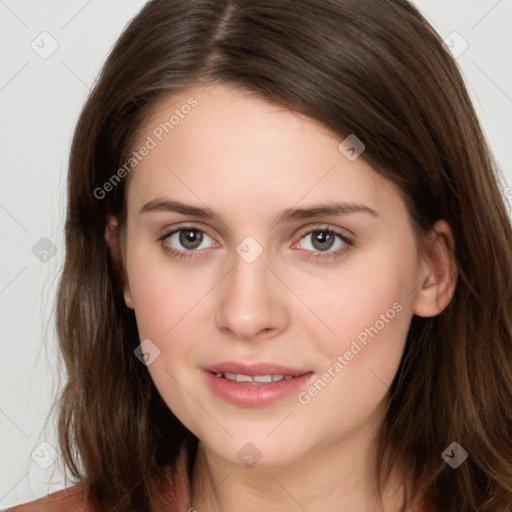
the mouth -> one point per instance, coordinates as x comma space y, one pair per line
254, 385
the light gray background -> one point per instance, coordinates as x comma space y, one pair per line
40, 100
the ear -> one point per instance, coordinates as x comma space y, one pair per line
113, 241
438, 272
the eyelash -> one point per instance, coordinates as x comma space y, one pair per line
318, 256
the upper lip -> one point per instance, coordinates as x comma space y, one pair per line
253, 369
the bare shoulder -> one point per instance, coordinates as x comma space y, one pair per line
71, 499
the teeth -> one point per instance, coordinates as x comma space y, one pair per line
243, 378
262, 378
239, 377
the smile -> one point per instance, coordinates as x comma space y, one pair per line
255, 379
255, 384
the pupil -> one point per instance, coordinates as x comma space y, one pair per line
324, 239
190, 238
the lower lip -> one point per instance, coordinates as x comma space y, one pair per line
246, 394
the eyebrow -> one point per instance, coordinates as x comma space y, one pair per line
288, 215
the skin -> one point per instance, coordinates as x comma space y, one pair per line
248, 160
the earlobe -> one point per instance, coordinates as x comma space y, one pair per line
112, 239
439, 272
128, 297
111, 235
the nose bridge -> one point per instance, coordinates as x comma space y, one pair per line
250, 267
250, 301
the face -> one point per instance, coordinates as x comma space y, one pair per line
272, 283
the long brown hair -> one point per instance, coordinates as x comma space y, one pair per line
374, 68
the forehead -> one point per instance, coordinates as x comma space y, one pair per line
221, 144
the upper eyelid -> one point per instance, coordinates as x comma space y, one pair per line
325, 227
171, 231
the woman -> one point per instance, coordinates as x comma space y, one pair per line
287, 269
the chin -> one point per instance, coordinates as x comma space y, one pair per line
256, 451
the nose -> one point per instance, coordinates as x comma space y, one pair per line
252, 301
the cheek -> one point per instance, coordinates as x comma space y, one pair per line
163, 293
167, 304
368, 290
366, 311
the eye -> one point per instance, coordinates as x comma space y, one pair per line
326, 243
185, 241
